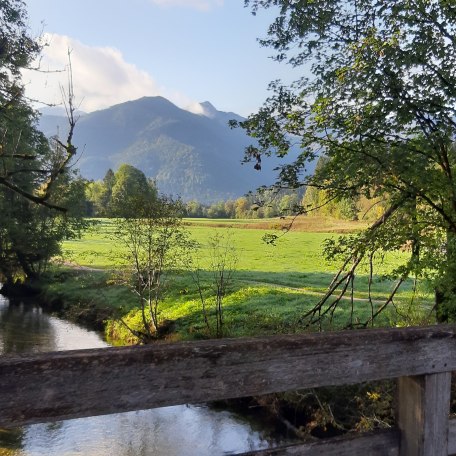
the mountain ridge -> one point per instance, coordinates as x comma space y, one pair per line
195, 156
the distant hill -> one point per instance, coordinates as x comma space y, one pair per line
190, 155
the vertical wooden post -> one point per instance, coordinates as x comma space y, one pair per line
423, 409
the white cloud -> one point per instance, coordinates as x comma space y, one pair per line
195, 108
101, 76
202, 5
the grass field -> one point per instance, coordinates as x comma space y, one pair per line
274, 285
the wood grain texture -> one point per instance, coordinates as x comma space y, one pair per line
452, 437
63, 385
380, 443
423, 409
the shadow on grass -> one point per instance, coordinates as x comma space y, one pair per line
260, 303
321, 281
257, 303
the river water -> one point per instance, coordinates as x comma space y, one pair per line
179, 430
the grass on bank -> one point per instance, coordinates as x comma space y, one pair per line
274, 285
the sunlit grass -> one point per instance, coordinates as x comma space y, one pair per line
274, 285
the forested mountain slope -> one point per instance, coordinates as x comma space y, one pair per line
195, 156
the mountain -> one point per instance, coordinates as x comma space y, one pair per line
58, 111
195, 156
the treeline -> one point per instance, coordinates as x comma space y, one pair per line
319, 203
351, 206
114, 196
274, 202
277, 203
253, 206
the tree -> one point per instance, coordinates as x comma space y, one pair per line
96, 197
241, 207
194, 209
120, 194
317, 202
26, 165
156, 245
217, 210
105, 197
379, 102
221, 269
130, 190
109, 180
31, 234
230, 208
288, 203
39, 195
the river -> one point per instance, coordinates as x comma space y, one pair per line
179, 430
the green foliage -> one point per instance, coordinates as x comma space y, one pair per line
31, 234
155, 245
121, 194
217, 210
379, 105
99, 195
264, 203
29, 165
194, 209
40, 199
320, 201
129, 192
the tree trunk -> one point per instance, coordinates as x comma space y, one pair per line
26, 266
445, 292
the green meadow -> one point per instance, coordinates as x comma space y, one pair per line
274, 285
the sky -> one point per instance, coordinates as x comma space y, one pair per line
188, 51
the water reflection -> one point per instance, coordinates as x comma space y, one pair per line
182, 430
25, 328
166, 431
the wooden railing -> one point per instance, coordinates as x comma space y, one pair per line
63, 385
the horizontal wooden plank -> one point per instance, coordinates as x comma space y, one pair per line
452, 437
63, 385
379, 443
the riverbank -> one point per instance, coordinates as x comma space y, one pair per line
274, 287
67, 293
81, 296
202, 430
93, 300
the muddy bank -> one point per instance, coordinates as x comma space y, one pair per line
84, 313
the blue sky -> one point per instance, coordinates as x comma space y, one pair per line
186, 50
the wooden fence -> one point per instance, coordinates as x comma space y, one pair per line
63, 385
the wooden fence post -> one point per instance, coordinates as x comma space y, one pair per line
423, 412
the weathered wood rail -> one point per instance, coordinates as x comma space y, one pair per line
63, 385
